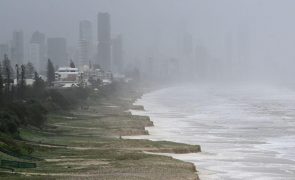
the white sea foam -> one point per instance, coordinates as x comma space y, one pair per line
246, 132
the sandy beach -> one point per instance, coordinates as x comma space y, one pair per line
88, 144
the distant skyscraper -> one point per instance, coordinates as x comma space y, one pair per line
229, 64
187, 45
17, 48
104, 40
85, 42
57, 51
35, 55
37, 51
243, 42
117, 54
202, 64
243, 61
242, 46
4, 49
186, 54
229, 47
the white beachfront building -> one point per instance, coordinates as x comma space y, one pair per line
71, 77
98, 74
105, 77
67, 77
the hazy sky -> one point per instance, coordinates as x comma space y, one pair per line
157, 24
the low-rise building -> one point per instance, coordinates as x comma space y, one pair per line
99, 74
67, 77
71, 77
28, 82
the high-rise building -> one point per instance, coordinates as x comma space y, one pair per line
17, 48
187, 65
243, 62
202, 61
85, 42
104, 40
229, 60
37, 51
4, 50
187, 45
57, 51
117, 54
229, 47
85, 30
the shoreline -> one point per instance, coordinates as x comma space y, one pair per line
210, 118
140, 108
88, 143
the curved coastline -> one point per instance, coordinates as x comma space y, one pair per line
227, 121
182, 149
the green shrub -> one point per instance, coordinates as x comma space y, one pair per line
22, 113
9, 122
67, 98
56, 97
36, 114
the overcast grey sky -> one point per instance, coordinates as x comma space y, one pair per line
158, 23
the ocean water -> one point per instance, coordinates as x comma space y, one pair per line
245, 131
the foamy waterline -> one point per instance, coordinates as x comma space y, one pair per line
245, 132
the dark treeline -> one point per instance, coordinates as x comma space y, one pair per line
23, 104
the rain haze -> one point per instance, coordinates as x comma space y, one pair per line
113, 88
245, 33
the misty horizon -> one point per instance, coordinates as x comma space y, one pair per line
147, 89
256, 32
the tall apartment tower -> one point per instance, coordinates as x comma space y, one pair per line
17, 47
187, 45
104, 41
37, 50
4, 50
229, 52
117, 54
57, 51
85, 42
229, 47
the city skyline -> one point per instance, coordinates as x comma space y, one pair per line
85, 42
104, 41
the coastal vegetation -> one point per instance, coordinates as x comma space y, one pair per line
77, 132
24, 105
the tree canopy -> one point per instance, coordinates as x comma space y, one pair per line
72, 65
30, 70
50, 73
